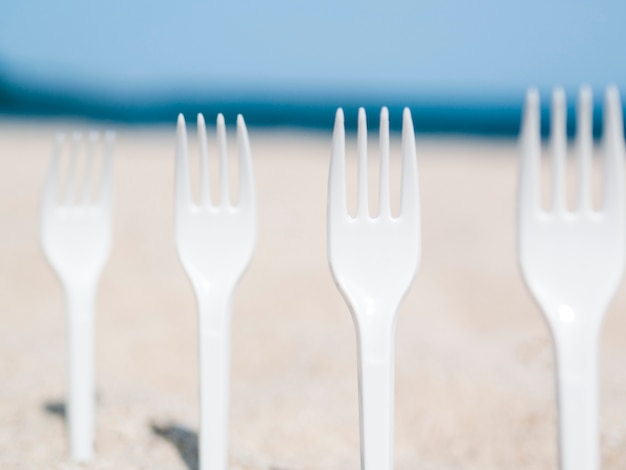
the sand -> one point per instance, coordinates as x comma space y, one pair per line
474, 366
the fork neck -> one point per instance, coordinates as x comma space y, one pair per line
214, 308
574, 325
576, 337
375, 325
375, 342
80, 295
372, 310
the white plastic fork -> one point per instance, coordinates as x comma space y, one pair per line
76, 239
573, 262
215, 244
373, 262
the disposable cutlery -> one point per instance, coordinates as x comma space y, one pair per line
76, 226
373, 261
573, 260
215, 242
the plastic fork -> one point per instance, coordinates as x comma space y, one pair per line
373, 262
573, 261
76, 239
215, 244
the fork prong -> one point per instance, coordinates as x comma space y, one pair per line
51, 185
362, 208
384, 204
205, 185
530, 154
558, 142
105, 198
584, 143
409, 201
70, 188
613, 153
246, 172
223, 158
337, 206
182, 188
92, 141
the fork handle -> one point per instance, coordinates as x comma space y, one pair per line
80, 409
214, 326
577, 383
376, 390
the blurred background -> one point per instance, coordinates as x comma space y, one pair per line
474, 365
460, 67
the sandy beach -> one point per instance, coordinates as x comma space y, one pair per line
474, 365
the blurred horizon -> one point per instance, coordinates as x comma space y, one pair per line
460, 68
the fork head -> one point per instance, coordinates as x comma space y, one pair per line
76, 224
373, 260
572, 261
215, 241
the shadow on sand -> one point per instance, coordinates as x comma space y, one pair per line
56, 408
185, 441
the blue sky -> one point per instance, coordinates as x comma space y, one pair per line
453, 51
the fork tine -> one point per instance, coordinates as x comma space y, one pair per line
530, 153
585, 147
337, 206
362, 194
70, 189
384, 205
558, 142
105, 198
613, 142
409, 201
205, 188
182, 186
246, 172
51, 185
87, 176
223, 151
